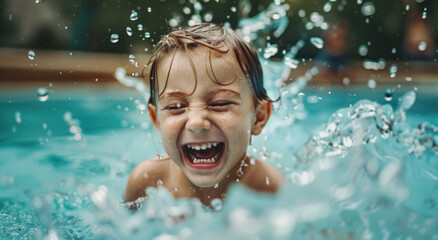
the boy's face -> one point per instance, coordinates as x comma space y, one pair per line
205, 130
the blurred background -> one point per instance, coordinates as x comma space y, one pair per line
80, 37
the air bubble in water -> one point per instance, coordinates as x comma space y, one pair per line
422, 46
114, 38
372, 83
363, 50
140, 27
133, 16
131, 58
216, 204
129, 31
290, 62
42, 94
31, 55
368, 9
270, 51
388, 94
317, 42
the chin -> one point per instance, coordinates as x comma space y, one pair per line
204, 183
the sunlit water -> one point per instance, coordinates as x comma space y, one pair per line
361, 162
65, 162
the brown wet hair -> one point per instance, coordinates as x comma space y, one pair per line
218, 40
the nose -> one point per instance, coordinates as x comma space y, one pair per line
197, 120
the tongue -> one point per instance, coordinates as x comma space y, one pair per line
205, 154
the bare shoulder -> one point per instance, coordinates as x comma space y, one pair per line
264, 178
146, 174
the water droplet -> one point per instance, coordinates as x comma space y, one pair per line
424, 15
216, 185
422, 46
388, 94
145, 175
114, 38
407, 7
31, 55
39, 1
290, 62
270, 51
149, 9
133, 16
18, 117
347, 141
408, 79
233, 9
216, 204
363, 50
346, 81
42, 94
372, 83
252, 161
131, 58
393, 70
368, 9
208, 17
267, 180
301, 13
140, 27
197, 6
187, 10
159, 182
327, 7
147, 34
317, 42
394, 50
175, 189
129, 31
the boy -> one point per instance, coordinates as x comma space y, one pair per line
207, 99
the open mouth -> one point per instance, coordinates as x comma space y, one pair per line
205, 155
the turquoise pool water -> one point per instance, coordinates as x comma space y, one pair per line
370, 171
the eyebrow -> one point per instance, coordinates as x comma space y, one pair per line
181, 94
173, 94
225, 90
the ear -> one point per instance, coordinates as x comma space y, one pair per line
153, 115
263, 112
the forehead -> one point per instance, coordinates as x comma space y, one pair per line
202, 65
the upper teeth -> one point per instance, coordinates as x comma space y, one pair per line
202, 146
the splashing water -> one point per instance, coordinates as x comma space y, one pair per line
114, 38
42, 94
138, 84
368, 9
133, 16
317, 42
422, 46
31, 55
129, 31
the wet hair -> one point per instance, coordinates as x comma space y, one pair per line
217, 39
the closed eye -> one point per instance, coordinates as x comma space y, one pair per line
175, 108
221, 105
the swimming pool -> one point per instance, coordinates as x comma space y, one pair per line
65, 162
